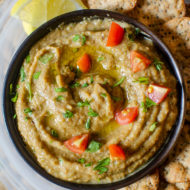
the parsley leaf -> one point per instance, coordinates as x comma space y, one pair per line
153, 127
92, 113
101, 58
54, 133
46, 58
87, 125
82, 104
68, 114
142, 80
76, 38
88, 164
60, 98
147, 104
81, 160
29, 90
22, 74
62, 89
14, 99
101, 167
79, 37
94, 146
76, 84
103, 95
158, 64
28, 111
85, 85
27, 59
11, 89
119, 82
14, 116
36, 75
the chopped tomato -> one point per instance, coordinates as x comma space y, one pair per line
138, 61
84, 63
115, 36
157, 93
116, 152
77, 144
127, 115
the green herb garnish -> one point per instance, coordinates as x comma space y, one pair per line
153, 127
91, 79
29, 90
88, 164
22, 74
60, 98
28, 59
103, 95
147, 104
88, 122
158, 64
81, 160
54, 133
85, 85
36, 75
137, 31
14, 99
142, 80
14, 116
79, 37
115, 98
101, 167
68, 114
11, 89
92, 113
28, 111
119, 82
62, 89
94, 146
46, 58
76, 84
101, 58
83, 39
76, 38
82, 104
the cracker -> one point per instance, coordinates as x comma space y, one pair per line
113, 5
149, 182
153, 13
176, 34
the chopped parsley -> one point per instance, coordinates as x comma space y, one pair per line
88, 164
94, 146
36, 75
11, 89
153, 127
82, 104
115, 98
68, 114
79, 37
158, 64
22, 74
60, 98
29, 90
101, 166
92, 113
103, 95
91, 79
62, 89
147, 104
14, 99
87, 124
101, 58
28, 111
27, 59
54, 133
46, 58
81, 160
85, 85
14, 116
142, 80
76, 84
119, 82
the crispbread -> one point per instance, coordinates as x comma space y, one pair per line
154, 13
149, 182
114, 5
176, 34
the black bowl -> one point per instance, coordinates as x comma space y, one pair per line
13, 74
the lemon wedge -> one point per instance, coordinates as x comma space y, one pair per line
33, 13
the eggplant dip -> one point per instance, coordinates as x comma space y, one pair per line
94, 101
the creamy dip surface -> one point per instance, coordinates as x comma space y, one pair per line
56, 102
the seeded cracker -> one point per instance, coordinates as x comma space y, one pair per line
154, 13
113, 5
149, 182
